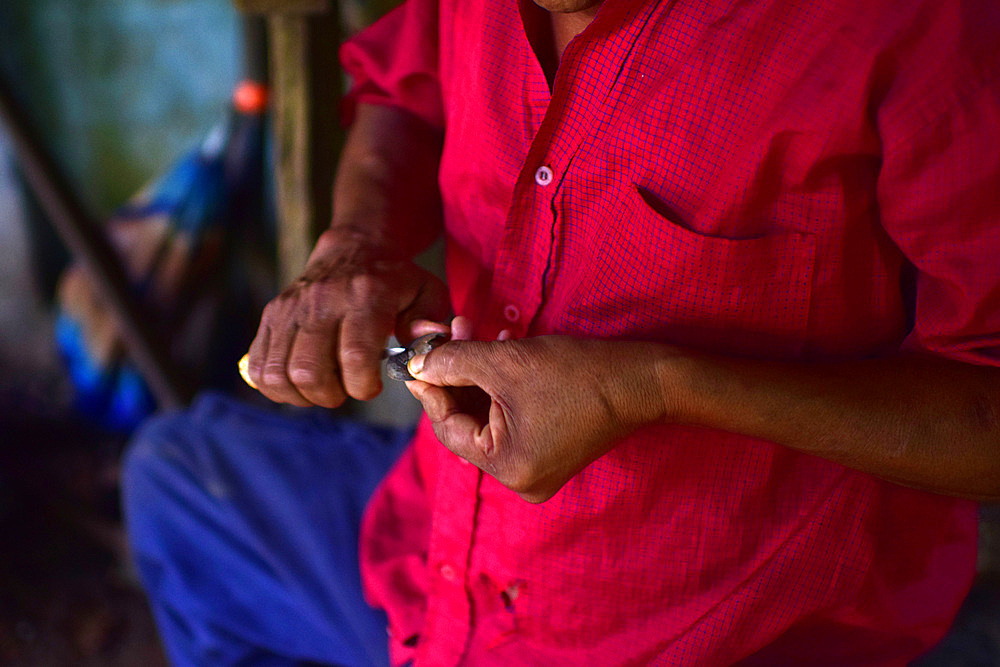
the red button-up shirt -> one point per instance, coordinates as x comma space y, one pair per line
782, 179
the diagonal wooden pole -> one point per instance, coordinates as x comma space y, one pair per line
86, 242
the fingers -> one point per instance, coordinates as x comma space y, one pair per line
423, 327
268, 354
461, 328
255, 357
362, 341
322, 339
291, 362
312, 368
454, 364
466, 435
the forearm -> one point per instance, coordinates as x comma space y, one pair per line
922, 422
386, 194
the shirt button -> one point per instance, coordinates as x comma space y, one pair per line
447, 572
511, 313
543, 176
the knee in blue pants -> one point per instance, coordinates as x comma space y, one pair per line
244, 528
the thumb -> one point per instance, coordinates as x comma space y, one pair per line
454, 364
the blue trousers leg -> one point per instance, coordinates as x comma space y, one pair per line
244, 528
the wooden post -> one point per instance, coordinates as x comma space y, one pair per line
306, 87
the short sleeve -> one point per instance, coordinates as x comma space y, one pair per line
394, 62
939, 187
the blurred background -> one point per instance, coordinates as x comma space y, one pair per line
117, 92
173, 127
153, 118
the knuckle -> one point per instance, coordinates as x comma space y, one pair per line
255, 366
357, 355
436, 411
536, 497
319, 310
274, 376
305, 374
366, 287
519, 481
361, 380
270, 309
524, 475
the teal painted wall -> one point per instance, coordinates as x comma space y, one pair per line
120, 88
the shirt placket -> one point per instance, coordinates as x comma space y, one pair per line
586, 79
515, 297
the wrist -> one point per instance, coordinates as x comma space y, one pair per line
352, 241
351, 236
676, 377
651, 385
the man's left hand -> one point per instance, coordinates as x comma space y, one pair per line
534, 412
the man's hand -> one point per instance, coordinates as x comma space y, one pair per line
534, 412
322, 339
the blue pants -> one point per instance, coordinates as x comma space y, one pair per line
244, 527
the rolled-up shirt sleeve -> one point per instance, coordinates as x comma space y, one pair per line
939, 192
394, 62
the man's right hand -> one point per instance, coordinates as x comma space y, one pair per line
321, 340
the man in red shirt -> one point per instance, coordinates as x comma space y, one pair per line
725, 366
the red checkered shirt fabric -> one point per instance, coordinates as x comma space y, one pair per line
783, 179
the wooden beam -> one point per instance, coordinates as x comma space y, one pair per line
282, 6
306, 86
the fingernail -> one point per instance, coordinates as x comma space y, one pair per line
244, 367
416, 364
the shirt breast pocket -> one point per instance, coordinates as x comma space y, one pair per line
647, 277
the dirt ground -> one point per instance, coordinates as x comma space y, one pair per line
67, 596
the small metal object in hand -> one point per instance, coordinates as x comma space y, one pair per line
398, 357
